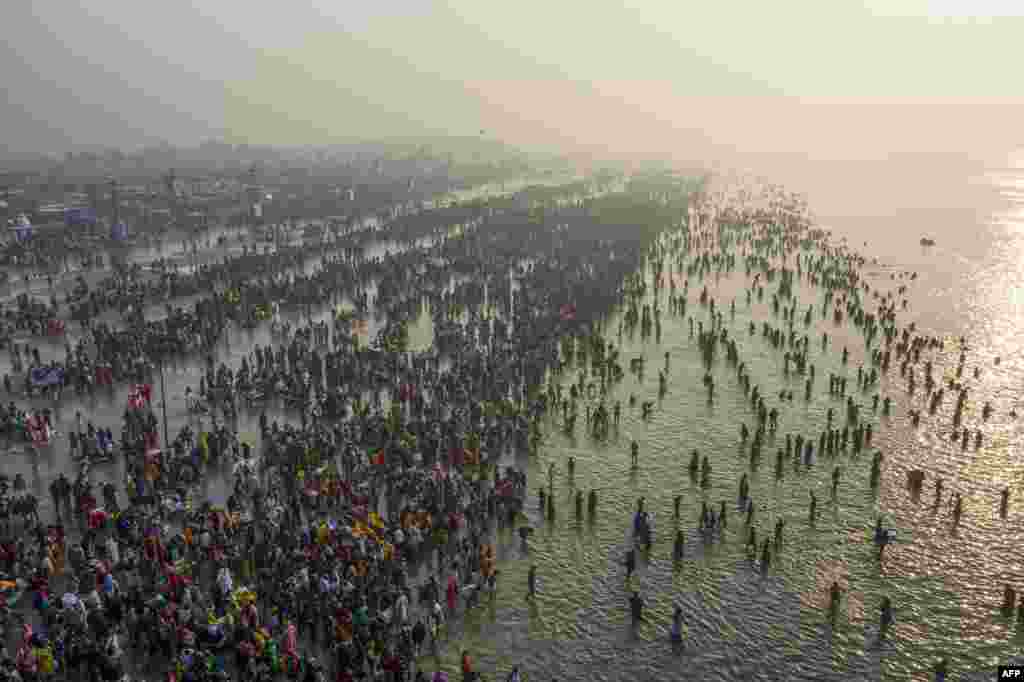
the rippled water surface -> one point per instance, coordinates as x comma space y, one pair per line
946, 584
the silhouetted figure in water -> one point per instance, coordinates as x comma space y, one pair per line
1009, 601
834, 597
636, 608
881, 537
886, 618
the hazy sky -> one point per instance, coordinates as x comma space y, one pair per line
831, 79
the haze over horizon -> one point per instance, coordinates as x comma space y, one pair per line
742, 84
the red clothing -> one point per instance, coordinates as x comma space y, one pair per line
249, 616
97, 517
453, 592
8, 550
391, 664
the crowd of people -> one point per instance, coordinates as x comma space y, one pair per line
349, 538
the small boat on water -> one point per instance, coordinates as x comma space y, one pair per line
927, 241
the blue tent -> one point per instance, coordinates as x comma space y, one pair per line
119, 232
23, 228
74, 217
46, 376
